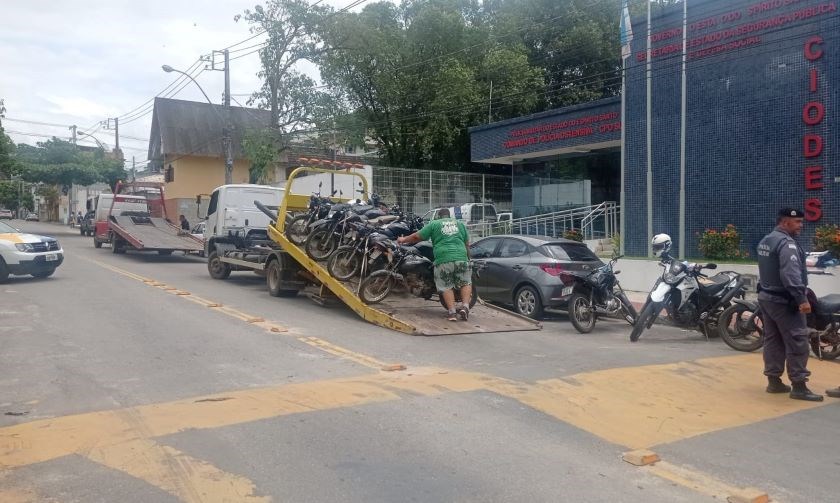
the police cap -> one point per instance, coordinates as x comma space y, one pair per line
791, 213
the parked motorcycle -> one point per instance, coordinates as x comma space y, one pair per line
691, 299
411, 267
299, 228
741, 326
598, 293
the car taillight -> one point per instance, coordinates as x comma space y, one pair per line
552, 269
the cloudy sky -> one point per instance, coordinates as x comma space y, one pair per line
79, 63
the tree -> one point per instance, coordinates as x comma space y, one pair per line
291, 29
420, 75
8, 167
261, 148
13, 195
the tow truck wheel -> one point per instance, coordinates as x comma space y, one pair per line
217, 268
274, 277
117, 246
97, 243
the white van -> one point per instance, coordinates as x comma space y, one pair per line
231, 210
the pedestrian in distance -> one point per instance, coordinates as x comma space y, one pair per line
782, 287
185, 225
451, 243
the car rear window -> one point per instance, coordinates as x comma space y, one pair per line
569, 251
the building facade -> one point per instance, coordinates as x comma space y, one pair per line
761, 127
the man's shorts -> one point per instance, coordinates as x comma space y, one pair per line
452, 275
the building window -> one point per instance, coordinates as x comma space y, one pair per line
169, 174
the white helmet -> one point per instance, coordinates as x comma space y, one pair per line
661, 244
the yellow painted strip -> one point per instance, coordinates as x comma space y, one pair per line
12, 237
47, 439
315, 342
189, 479
640, 407
692, 479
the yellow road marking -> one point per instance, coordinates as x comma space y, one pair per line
361, 359
640, 407
187, 478
43, 440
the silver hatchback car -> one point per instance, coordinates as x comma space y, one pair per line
529, 272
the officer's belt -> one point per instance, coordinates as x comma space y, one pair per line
783, 293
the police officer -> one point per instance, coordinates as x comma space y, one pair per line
783, 283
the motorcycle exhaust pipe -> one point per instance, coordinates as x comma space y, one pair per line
631, 318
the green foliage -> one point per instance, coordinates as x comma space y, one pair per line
12, 196
262, 149
573, 234
827, 237
721, 245
615, 241
59, 162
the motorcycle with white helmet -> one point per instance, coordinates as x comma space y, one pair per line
691, 299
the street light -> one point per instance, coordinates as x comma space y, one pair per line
98, 143
225, 126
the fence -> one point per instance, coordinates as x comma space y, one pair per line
594, 222
419, 191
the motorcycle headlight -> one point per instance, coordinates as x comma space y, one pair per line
24, 247
670, 278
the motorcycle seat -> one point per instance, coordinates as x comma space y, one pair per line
829, 304
384, 219
713, 284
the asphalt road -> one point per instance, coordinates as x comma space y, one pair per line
139, 378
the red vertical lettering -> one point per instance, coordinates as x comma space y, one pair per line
808, 118
812, 145
810, 53
813, 86
813, 209
813, 178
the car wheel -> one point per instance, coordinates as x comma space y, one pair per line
217, 268
4, 271
527, 302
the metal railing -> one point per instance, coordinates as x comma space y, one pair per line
598, 221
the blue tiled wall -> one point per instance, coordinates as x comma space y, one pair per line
744, 154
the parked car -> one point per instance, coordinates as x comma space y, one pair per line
32, 217
198, 232
88, 224
22, 254
527, 272
7, 214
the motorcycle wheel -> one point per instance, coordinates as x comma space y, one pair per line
827, 345
739, 329
296, 229
645, 318
473, 298
344, 263
320, 245
582, 313
376, 287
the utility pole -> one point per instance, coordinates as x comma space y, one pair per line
490, 105
107, 125
227, 132
332, 174
133, 169
73, 138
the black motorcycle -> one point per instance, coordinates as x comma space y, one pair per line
692, 299
598, 293
741, 326
411, 267
300, 225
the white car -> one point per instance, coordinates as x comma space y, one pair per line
22, 254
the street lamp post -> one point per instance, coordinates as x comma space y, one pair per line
226, 139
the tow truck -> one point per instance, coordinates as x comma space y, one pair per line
289, 270
137, 220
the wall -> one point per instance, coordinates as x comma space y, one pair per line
748, 99
200, 175
639, 275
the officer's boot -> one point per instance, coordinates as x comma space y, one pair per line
833, 392
801, 392
775, 385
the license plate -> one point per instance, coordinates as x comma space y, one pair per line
51, 257
567, 290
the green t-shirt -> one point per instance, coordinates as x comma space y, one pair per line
448, 237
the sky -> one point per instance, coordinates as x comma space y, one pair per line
79, 63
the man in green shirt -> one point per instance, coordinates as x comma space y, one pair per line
452, 254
